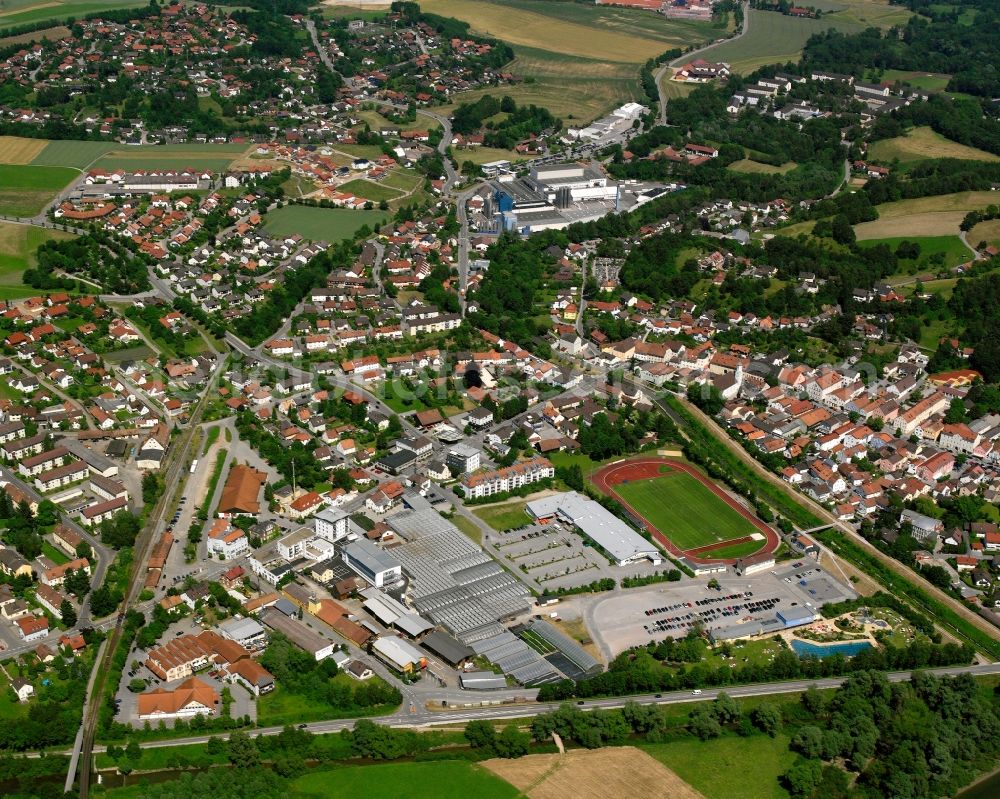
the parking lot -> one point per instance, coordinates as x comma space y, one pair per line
671, 610
555, 556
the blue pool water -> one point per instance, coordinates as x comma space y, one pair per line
846, 648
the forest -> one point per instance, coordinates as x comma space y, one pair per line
95, 256
943, 44
505, 299
518, 123
814, 146
649, 669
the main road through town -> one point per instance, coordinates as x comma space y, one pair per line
424, 717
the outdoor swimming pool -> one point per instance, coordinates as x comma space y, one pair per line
846, 648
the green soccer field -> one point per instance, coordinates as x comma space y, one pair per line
684, 510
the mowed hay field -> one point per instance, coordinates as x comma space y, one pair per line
449, 779
924, 216
579, 61
18, 150
52, 34
26, 189
621, 772
772, 38
985, 231
684, 510
920, 144
590, 32
757, 168
573, 89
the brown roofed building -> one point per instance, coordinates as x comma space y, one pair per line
191, 697
242, 488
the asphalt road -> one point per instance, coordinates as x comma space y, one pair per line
421, 717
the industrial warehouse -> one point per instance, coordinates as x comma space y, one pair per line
553, 196
621, 543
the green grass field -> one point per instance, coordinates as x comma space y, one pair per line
950, 248
921, 144
282, 707
469, 527
18, 244
928, 81
21, 12
79, 154
504, 517
368, 190
684, 510
449, 779
25, 189
773, 38
321, 224
215, 157
729, 767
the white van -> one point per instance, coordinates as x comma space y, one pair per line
696, 692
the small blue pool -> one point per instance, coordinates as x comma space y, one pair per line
845, 648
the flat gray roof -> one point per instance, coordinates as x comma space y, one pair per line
597, 523
374, 559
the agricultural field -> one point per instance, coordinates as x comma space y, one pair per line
577, 60
932, 250
18, 150
685, 510
215, 157
729, 767
320, 224
54, 33
569, 29
773, 38
620, 772
25, 189
22, 12
449, 779
866, 13
757, 168
925, 216
77, 154
18, 244
985, 231
920, 144
369, 190
504, 517
571, 88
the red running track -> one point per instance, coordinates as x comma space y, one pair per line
646, 468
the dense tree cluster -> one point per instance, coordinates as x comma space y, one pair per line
298, 673
918, 739
649, 669
94, 256
516, 124
945, 44
506, 296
